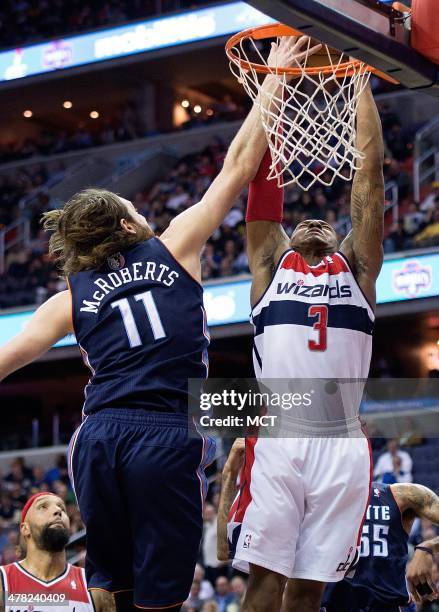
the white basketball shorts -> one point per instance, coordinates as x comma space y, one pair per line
301, 505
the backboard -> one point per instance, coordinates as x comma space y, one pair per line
366, 29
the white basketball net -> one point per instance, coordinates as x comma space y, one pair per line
310, 124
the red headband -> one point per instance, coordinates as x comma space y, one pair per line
30, 501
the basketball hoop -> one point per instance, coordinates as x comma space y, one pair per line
310, 124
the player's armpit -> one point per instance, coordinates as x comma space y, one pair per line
51, 322
267, 241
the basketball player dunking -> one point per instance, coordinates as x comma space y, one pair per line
136, 307
303, 498
43, 581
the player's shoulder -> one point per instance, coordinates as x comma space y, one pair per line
74, 571
9, 568
74, 581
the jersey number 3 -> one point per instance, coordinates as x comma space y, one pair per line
130, 324
321, 325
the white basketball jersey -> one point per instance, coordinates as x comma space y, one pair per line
314, 322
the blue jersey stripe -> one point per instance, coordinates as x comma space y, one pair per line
258, 357
295, 312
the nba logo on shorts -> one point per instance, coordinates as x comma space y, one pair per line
247, 540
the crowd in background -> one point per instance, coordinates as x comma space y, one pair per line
30, 277
216, 586
29, 21
124, 125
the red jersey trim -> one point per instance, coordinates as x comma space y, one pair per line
330, 264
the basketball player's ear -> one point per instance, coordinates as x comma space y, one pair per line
24, 530
128, 226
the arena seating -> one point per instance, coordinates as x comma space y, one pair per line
26, 21
31, 278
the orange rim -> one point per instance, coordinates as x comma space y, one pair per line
278, 29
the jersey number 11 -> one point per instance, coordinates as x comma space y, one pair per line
130, 324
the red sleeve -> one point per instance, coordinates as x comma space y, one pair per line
265, 199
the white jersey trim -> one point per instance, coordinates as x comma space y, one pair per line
42, 582
84, 579
4, 579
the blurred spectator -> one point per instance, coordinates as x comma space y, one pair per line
414, 219
206, 589
429, 236
20, 473
211, 563
385, 463
210, 606
398, 238
396, 474
422, 530
194, 601
238, 587
224, 597
58, 473
397, 142
431, 201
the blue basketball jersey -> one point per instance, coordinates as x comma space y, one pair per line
379, 576
141, 329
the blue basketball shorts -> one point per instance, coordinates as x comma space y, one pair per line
140, 484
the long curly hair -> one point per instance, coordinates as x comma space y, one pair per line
87, 230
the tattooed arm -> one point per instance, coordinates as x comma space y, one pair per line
266, 242
228, 491
363, 245
418, 501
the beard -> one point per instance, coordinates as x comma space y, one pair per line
52, 539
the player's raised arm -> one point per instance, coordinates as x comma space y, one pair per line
189, 231
50, 323
266, 238
231, 470
363, 246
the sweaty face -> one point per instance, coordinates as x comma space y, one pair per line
314, 234
48, 523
